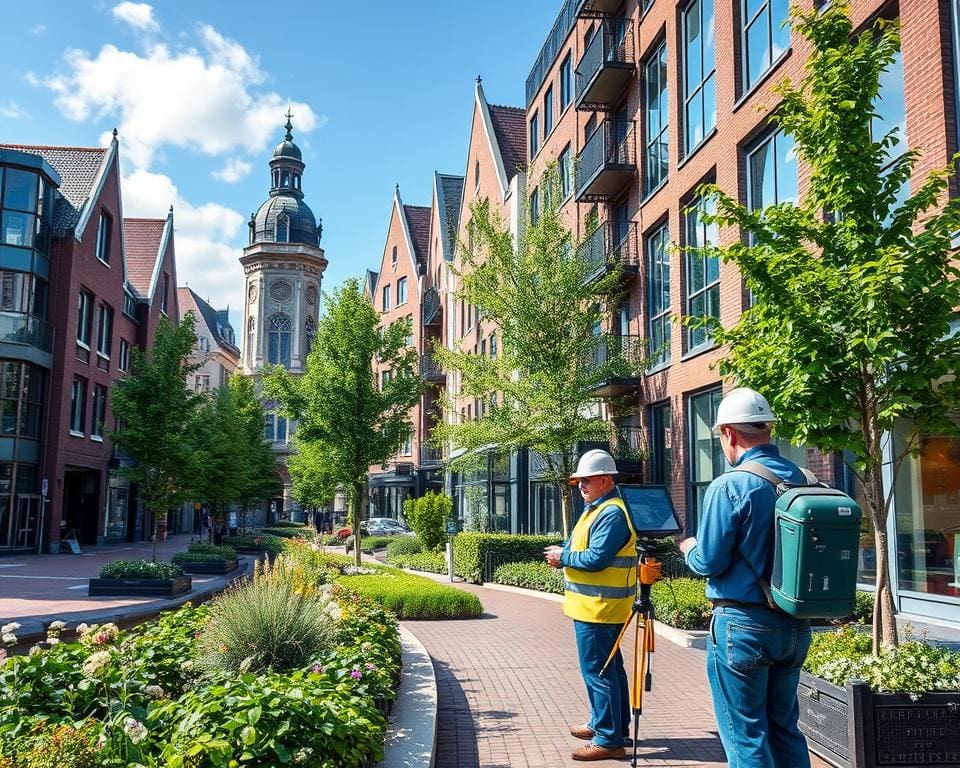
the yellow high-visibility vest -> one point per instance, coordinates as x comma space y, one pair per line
604, 597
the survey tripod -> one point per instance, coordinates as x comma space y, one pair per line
649, 572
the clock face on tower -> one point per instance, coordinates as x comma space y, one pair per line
252, 293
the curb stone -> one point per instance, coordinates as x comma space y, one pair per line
412, 731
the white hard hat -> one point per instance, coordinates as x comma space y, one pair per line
744, 406
595, 462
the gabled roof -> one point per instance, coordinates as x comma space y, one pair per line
449, 191
215, 320
142, 239
418, 222
371, 283
510, 126
81, 172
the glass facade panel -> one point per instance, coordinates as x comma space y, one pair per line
661, 424
703, 271
765, 36
566, 82
20, 190
699, 81
656, 119
706, 455
658, 270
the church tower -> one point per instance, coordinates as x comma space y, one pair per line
283, 267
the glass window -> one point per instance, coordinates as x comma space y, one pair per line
548, 112
164, 293
201, 382
275, 428
20, 190
660, 443
493, 347
766, 36
279, 332
772, 172
699, 68
124, 363
658, 270
78, 405
534, 135
103, 239
927, 500
17, 228
251, 339
401, 291
99, 414
386, 298
655, 117
407, 448
566, 82
890, 116
283, 229
535, 207
104, 330
706, 455
703, 271
566, 173
84, 318
310, 333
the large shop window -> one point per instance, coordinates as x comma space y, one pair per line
706, 455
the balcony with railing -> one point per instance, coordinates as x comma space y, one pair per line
625, 445
607, 164
625, 350
430, 370
612, 244
24, 328
592, 9
431, 310
430, 455
607, 65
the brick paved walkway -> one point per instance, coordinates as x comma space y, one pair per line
509, 688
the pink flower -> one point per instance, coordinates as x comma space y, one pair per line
372, 667
355, 673
318, 669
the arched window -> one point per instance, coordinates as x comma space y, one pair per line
296, 181
251, 340
279, 331
283, 228
309, 332
276, 178
285, 179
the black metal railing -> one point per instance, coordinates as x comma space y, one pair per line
430, 307
612, 44
613, 242
626, 443
430, 454
611, 144
619, 348
429, 368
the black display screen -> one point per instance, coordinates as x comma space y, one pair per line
651, 510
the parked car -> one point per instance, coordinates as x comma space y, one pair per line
386, 526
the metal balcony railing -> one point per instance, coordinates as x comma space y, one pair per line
613, 242
430, 308
430, 454
591, 9
607, 162
430, 370
24, 328
606, 66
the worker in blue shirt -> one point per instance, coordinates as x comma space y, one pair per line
599, 564
754, 653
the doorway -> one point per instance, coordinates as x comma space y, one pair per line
81, 504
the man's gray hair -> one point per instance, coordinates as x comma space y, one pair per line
752, 429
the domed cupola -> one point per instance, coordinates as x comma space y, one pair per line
284, 217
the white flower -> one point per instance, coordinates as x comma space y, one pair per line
302, 755
10, 628
96, 663
34, 650
245, 665
57, 626
155, 692
9, 638
136, 730
53, 640
82, 629
187, 665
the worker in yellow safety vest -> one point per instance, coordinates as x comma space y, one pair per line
599, 564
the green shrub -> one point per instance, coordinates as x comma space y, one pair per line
140, 569
298, 532
182, 558
408, 596
248, 542
681, 603
222, 551
370, 543
863, 611
62, 746
404, 545
433, 562
470, 551
427, 516
271, 622
290, 524
539, 576
913, 666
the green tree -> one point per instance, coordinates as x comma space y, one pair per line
427, 517
314, 482
157, 421
854, 289
220, 453
259, 480
543, 295
348, 420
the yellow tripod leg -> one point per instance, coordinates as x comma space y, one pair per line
616, 645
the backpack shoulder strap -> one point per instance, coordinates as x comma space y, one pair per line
779, 484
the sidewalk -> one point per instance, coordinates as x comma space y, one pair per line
509, 688
36, 589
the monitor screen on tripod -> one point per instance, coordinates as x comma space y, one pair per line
651, 510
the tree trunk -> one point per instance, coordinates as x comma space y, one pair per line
566, 507
356, 496
156, 535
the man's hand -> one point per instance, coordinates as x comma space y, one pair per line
552, 556
687, 544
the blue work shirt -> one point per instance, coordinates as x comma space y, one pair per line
608, 534
736, 523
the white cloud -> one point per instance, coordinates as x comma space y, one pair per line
32, 79
13, 111
233, 171
203, 101
39, 29
137, 15
205, 236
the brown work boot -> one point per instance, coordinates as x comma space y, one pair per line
596, 752
582, 731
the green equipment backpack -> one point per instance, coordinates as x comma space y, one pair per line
816, 538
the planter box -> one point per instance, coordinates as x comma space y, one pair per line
224, 566
854, 728
140, 587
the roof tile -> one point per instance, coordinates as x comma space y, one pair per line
510, 125
141, 244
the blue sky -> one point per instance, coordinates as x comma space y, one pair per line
382, 93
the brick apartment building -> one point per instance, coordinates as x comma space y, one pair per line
74, 303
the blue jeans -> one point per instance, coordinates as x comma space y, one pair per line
609, 695
753, 664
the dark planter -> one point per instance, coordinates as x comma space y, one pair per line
224, 566
854, 728
140, 587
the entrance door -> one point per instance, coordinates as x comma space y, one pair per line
81, 504
27, 528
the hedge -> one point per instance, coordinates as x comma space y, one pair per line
286, 532
434, 562
408, 596
404, 545
539, 576
248, 542
470, 551
223, 552
681, 603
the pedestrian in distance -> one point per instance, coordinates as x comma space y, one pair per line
599, 564
232, 522
754, 652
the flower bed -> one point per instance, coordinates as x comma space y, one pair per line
160, 696
248, 542
140, 578
207, 558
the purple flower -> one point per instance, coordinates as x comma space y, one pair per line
371, 666
355, 673
318, 669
